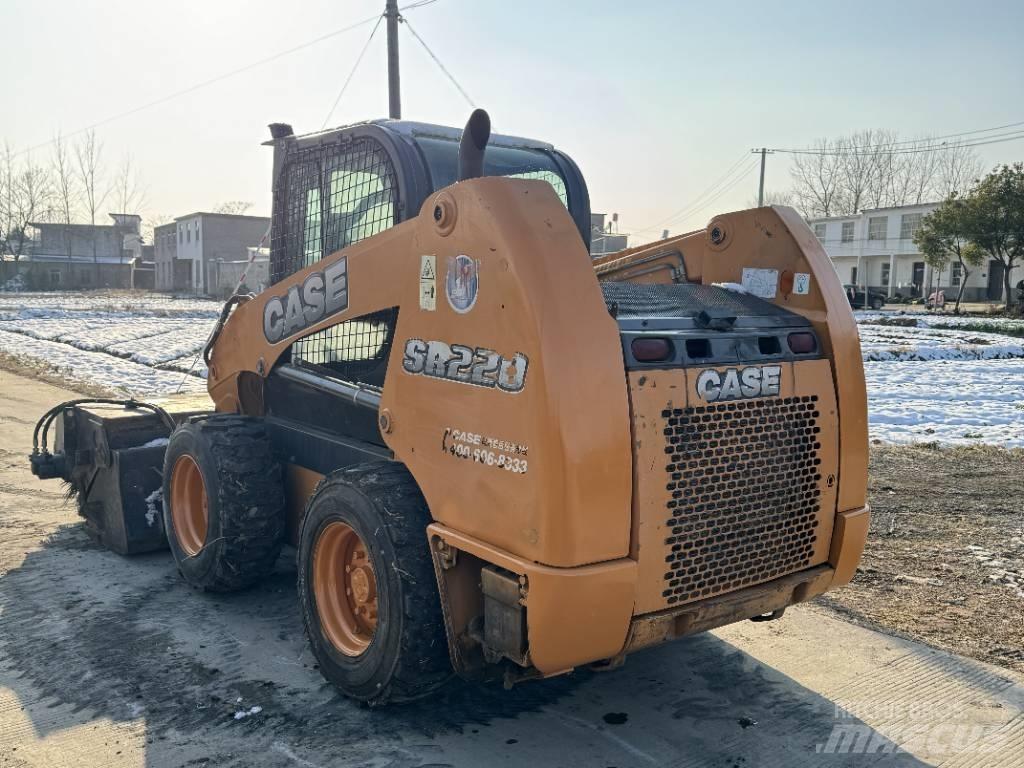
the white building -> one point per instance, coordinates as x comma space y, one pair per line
190, 250
875, 249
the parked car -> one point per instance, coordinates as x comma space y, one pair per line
874, 299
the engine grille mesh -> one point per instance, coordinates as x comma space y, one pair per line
744, 484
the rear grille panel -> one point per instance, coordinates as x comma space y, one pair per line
744, 481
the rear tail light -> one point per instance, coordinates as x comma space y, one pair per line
651, 350
802, 343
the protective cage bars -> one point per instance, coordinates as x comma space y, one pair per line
356, 350
330, 196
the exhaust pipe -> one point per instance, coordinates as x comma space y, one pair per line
474, 142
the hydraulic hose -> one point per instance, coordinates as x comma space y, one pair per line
43, 425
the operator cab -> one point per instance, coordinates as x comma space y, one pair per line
337, 187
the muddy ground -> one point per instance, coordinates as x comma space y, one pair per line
945, 556
107, 660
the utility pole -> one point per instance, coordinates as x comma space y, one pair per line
394, 85
760, 189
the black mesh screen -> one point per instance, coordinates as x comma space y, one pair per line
745, 483
355, 350
328, 197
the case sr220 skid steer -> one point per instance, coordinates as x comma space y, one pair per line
493, 454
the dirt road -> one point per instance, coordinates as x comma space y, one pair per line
107, 660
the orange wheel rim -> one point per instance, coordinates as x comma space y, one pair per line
188, 505
345, 588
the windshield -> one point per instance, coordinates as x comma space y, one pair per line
442, 156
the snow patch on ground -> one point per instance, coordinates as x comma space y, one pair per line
930, 320
155, 500
97, 367
244, 713
881, 342
1007, 568
954, 386
108, 302
953, 402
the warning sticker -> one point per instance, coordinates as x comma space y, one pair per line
801, 283
428, 283
761, 282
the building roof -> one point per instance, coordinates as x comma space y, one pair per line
865, 211
899, 207
208, 214
56, 224
62, 257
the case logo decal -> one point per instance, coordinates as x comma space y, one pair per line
465, 365
321, 295
739, 383
462, 283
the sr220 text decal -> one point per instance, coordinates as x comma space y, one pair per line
466, 365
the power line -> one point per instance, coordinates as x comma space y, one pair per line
726, 179
352, 73
730, 186
223, 76
438, 61
743, 176
656, 225
998, 138
913, 141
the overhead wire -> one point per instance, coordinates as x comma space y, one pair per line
437, 61
998, 138
352, 73
223, 76
915, 141
711, 188
743, 176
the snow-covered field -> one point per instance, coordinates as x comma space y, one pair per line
953, 385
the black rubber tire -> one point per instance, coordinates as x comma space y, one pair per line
245, 502
407, 658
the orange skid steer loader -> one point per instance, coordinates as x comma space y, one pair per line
492, 453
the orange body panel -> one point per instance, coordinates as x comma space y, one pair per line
574, 615
538, 297
655, 392
777, 238
582, 517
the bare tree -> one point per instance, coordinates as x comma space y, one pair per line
862, 163
774, 197
150, 223
89, 156
65, 187
959, 167
129, 192
817, 179
875, 169
25, 196
233, 206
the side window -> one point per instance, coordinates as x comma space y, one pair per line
311, 229
550, 177
330, 197
355, 350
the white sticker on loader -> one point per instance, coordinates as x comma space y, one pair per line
801, 283
428, 283
761, 282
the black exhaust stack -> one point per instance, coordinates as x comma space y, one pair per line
474, 142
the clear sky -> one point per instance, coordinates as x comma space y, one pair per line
653, 99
